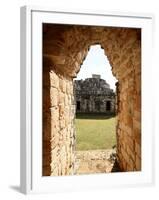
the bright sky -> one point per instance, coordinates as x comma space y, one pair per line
97, 63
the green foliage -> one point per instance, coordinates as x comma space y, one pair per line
95, 131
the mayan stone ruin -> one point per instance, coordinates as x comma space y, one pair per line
93, 95
64, 49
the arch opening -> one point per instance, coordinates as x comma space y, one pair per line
94, 88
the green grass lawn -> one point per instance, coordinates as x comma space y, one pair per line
95, 131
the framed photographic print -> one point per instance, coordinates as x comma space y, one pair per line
85, 100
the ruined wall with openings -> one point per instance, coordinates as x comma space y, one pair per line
64, 50
94, 95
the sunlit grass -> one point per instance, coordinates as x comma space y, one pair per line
95, 131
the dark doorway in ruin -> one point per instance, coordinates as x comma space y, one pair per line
78, 105
108, 105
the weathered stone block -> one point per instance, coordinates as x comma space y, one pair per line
137, 124
55, 140
138, 163
62, 122
54, 79
67, 87
61, 99
62, 84
54, 171
138, 149
54, 96
61, 109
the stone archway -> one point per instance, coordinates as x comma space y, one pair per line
64, 49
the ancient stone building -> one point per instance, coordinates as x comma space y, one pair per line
93, 95
64, 50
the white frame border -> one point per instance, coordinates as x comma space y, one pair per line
31, 182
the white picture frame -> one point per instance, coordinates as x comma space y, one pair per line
31, 100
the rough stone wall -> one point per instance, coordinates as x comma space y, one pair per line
65, 47
93, 96
58, 123
129, 105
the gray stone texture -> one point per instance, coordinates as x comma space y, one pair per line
93, 95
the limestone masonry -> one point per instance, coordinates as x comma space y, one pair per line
64, 49
93, 95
